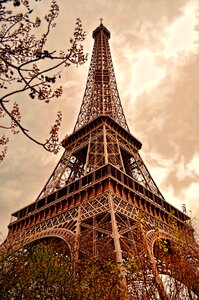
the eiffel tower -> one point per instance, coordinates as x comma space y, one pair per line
101, 188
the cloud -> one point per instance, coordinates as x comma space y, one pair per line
166, 117
182, 33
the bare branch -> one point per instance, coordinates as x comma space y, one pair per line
23, 68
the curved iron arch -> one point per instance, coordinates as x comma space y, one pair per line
66, 235
151, 238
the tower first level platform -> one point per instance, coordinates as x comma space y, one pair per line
104, 160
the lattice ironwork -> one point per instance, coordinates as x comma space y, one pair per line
136, 168
99, 146
101, 96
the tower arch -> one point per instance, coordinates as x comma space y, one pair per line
60, 233
173, 261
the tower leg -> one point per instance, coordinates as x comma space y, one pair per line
160, 287
118, 250
76, 247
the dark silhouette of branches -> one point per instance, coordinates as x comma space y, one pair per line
28, 67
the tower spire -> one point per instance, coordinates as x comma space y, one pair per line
101, 95
101, 21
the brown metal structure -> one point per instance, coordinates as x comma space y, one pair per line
100, 188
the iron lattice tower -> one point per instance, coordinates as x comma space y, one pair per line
100, 189
101, 95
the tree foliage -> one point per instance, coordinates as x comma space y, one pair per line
46, 271
36, 272
29, 67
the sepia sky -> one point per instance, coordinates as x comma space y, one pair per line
155, 52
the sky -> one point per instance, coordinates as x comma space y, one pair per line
155, 52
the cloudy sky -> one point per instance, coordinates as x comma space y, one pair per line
155, 52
